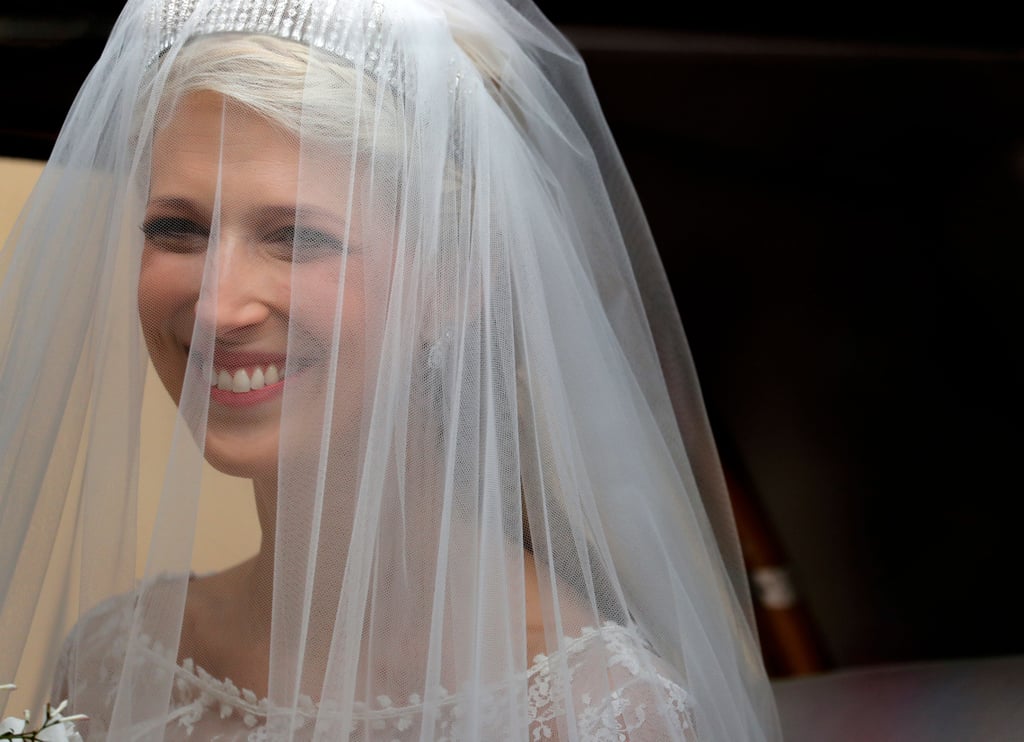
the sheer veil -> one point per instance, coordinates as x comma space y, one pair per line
385, 258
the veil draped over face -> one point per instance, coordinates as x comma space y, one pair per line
385, 261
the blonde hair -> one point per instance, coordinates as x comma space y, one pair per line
298, 88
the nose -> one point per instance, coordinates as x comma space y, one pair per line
239, 296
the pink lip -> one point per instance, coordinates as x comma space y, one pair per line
229, 398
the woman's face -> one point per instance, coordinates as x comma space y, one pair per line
255, 248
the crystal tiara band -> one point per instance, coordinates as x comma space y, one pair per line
348, 29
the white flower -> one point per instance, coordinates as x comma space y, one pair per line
61, 732
12, 724
56, 727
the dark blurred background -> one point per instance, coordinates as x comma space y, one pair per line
838, 205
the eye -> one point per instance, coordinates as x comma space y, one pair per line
301, 244
176, 234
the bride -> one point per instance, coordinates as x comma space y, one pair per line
384, 258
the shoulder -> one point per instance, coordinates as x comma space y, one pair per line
616, 687
99, 630
94, 649
91, 658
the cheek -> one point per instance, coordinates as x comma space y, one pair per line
168, 285
316, 301
167, 293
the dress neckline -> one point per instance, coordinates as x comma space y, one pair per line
193, 684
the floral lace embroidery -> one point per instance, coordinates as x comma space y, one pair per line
607, 709
616, 714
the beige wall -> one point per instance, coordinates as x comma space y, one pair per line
227, 530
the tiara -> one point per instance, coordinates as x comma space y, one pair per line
351, 30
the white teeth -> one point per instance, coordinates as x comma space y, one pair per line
240, 382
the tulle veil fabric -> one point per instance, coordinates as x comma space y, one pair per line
482, 444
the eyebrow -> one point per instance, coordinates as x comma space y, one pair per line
293, 212
271, 211
178, 203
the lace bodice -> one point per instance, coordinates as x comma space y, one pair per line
635, 700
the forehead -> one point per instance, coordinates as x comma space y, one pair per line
209, 146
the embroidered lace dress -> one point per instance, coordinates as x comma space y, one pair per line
558, 690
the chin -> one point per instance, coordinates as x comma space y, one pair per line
242, 457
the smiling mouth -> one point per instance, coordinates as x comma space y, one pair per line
250, 379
